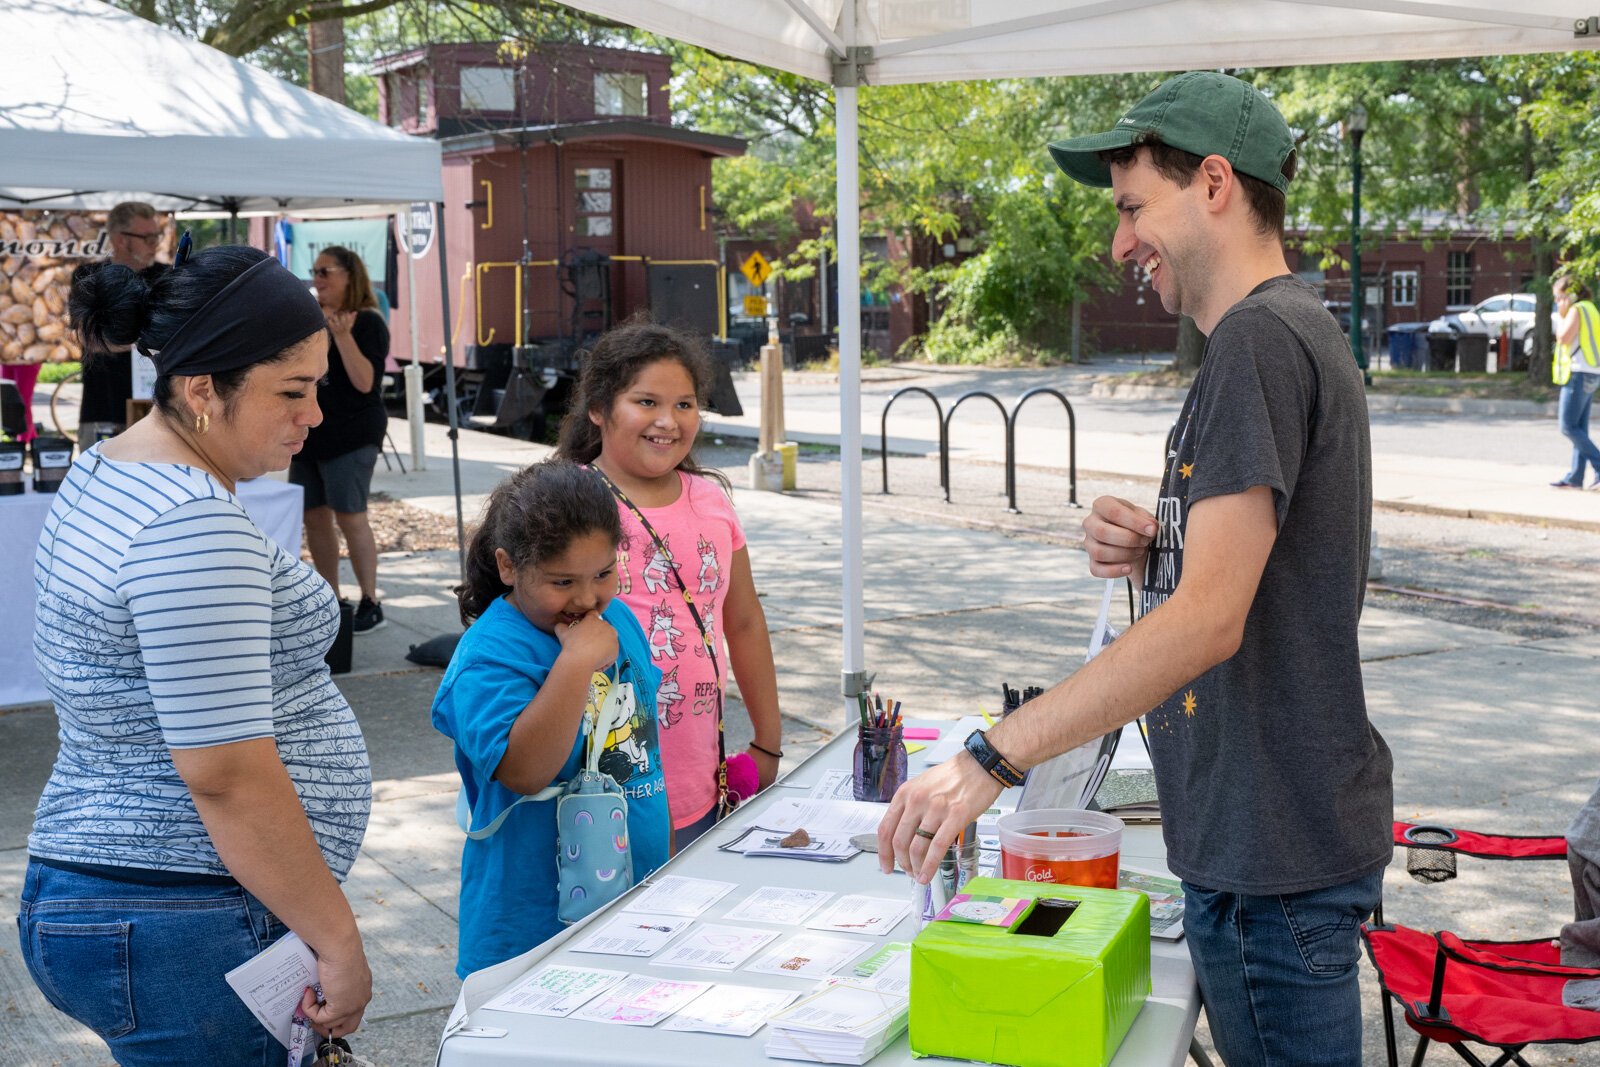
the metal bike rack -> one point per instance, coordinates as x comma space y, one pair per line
944, 438
1011, 447
883, 437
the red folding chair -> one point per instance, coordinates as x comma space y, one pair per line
1503, 994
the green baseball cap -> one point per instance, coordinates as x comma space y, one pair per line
1200, 112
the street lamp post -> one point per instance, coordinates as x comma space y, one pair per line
1355, 127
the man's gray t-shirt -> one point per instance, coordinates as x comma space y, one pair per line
1272, 779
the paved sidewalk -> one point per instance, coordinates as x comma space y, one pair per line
1425, 457
1488, 729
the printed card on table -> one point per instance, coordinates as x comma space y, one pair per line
555, 990
675, 895
821, 816
807, 956
641, 1001
716, 948
984, 910
834, 785
737, 1010
633, 934
858, 914
780, 905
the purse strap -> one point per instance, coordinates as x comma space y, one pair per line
694, 613
611, 715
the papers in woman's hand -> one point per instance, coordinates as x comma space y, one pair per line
272, 983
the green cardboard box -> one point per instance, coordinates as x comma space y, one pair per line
997, 996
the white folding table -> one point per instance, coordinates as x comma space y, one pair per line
1160, 1036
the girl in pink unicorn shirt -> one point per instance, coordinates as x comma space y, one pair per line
634, 418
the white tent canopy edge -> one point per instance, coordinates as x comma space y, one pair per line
919, 41
100, 105
887, 42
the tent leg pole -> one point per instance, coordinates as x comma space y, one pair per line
415, 414
450, 392
855, 677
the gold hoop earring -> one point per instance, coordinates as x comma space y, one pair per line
202, 422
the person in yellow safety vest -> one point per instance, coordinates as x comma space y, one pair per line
1577, 370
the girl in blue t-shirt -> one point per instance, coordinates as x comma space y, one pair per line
541, 575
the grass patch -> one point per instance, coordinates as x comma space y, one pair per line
1513, 385
51, 373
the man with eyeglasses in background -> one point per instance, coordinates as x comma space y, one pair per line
135, 229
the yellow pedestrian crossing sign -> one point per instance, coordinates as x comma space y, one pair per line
756, 269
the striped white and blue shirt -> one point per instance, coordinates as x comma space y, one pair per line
165, 619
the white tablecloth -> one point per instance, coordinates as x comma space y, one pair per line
272, 505
1159, 1038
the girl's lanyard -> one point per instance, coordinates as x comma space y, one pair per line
694, 613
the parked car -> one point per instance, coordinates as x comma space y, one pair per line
1491, 316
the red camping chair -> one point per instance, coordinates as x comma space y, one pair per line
1504, 994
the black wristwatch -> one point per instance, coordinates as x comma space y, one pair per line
998, 767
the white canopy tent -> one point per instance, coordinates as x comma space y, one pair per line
97, 106
885, 42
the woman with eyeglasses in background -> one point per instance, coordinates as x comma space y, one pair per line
336, 466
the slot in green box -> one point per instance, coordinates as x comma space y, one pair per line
988, 994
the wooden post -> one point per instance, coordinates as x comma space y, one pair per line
766, 467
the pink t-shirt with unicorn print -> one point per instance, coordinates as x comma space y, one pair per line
701, 533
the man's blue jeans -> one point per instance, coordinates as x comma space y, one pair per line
1577, 398
1278, 974
142, 966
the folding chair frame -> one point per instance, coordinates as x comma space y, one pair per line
1429, 1018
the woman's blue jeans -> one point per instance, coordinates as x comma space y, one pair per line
1577, 398
143, 966
1279, 975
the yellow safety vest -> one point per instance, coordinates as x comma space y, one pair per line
1588, 343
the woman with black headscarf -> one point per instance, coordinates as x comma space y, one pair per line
212, 786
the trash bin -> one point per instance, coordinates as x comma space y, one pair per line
1441, 351
1472, 353
1404, 345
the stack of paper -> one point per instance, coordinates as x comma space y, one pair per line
843, 1023
1166, 900
826, 847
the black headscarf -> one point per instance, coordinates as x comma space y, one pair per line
258, 314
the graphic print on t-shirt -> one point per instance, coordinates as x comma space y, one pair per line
658, 566
709, 617
668, 697
626, 754
1164, 565
710, 569
663, 633
624, 557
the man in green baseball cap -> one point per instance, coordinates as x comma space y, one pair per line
1276, 794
